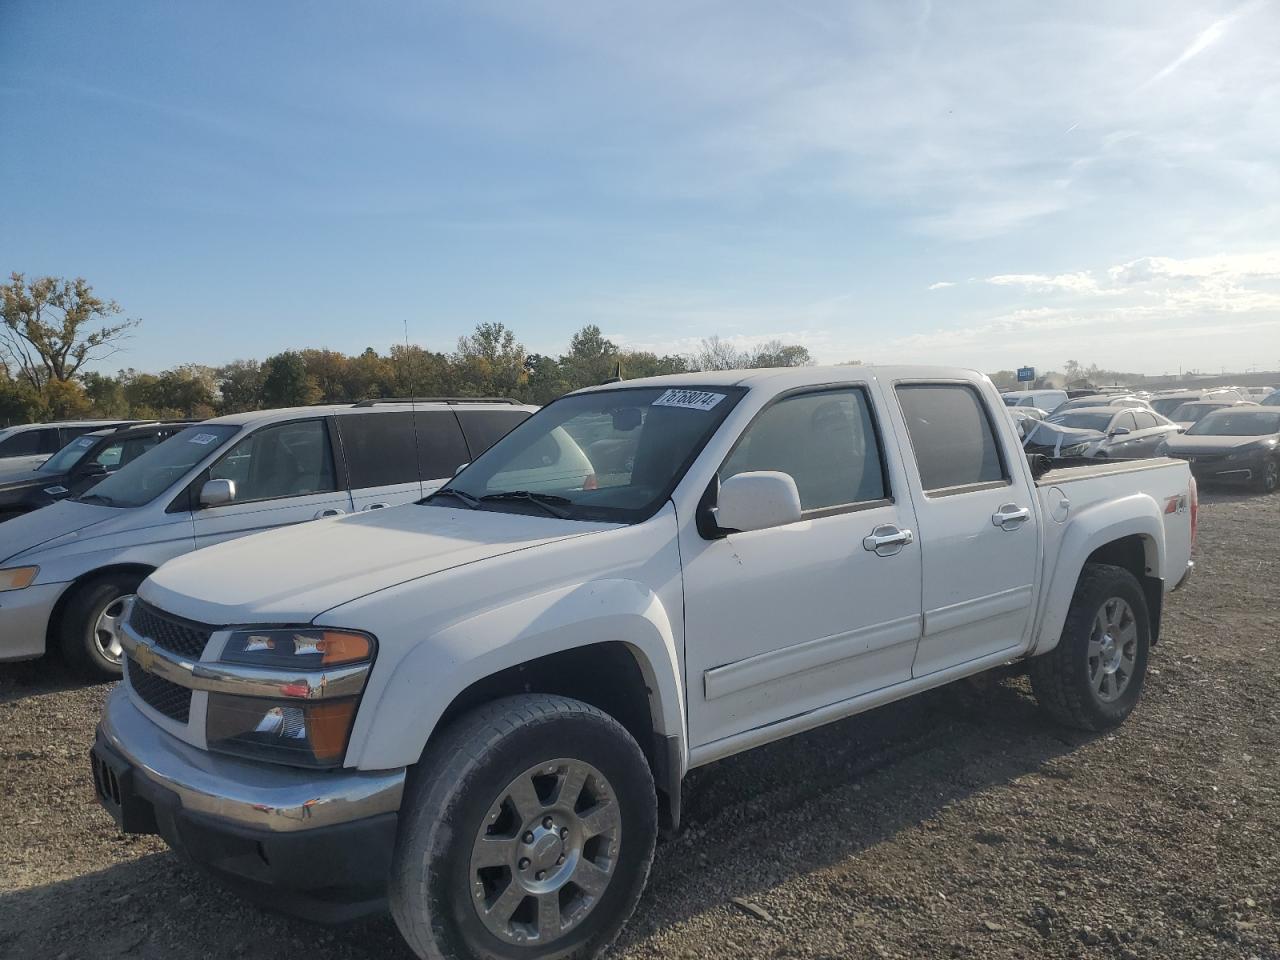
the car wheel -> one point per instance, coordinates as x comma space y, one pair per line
527, 830
1093, 678
1269, 479
89, 629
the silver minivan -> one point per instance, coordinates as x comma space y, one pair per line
66, 569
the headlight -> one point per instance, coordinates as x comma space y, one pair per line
302, 649
303, 734
291, 729
17, 578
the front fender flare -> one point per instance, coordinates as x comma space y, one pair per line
439, 667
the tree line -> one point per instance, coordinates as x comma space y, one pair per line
54, 328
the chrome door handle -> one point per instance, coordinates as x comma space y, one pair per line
331, 512
886, 540
374, 506
1009, 515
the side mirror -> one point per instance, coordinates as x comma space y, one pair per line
757, 500
461, 467
215, 493
93, 469
1119, 431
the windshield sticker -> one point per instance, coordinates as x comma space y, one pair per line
689, 399
55, 491
85, 442
203, 438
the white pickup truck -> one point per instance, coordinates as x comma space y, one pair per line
481, 707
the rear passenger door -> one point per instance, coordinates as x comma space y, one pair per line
283, 474
977, 525
381, 458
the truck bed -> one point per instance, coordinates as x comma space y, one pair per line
1081, 468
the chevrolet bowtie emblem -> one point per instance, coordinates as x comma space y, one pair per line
145, 656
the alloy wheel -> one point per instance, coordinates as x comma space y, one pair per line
1113, 649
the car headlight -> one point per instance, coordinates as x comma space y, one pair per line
291, 729
17, 578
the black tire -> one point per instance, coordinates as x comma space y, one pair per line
1062, 678
1269, 476
450, 794
76, 626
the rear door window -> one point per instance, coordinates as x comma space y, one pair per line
25, 444
379, 448
951, 433
441, 447
484, 428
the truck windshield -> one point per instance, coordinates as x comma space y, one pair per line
160, 467
606, 455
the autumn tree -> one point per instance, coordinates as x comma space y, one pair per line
52, 327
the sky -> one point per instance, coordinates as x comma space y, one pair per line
988, 184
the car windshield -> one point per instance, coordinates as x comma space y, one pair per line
68, 456
1235, 422
608, 455
1273, 400
1191, 412
1082, 421
1165, 406
160, 467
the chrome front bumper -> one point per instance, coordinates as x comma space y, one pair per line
249, 795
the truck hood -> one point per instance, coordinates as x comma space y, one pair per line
294, 574
57, 524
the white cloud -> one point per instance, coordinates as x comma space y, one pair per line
942, 284
1069, 282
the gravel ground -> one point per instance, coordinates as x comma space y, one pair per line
931, 828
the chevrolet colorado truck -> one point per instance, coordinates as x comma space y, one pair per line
479, 708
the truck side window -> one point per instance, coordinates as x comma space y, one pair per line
25, 444
286, 460
951, 434
825, 441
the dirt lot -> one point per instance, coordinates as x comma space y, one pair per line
924, 829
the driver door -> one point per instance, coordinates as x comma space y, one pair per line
787, 620
283, 474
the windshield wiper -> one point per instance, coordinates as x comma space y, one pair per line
97, 498
471, 500
549, 502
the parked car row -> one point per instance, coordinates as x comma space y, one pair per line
27, 445
67, 568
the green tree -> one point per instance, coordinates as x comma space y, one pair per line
490, 362
591, 358
285, 382
52, 327
240, 386
775, 353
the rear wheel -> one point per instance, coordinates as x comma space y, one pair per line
1094, 677
528, 830
89, 630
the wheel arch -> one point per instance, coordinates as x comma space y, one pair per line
1127, 533
55, 617
607, 643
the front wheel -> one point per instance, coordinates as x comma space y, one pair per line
1269, 476
527, 832
1093, 678
90, 626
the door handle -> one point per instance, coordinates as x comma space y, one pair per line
886, 540
1010, 515
374, 506
330, 512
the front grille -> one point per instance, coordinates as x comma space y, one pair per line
182, 637
160, 694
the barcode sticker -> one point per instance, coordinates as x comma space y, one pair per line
203, 438
690, 399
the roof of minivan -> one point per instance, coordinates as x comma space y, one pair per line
785, 377
254, 417
67, 423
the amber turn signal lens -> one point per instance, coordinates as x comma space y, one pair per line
329, 725
337, 647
